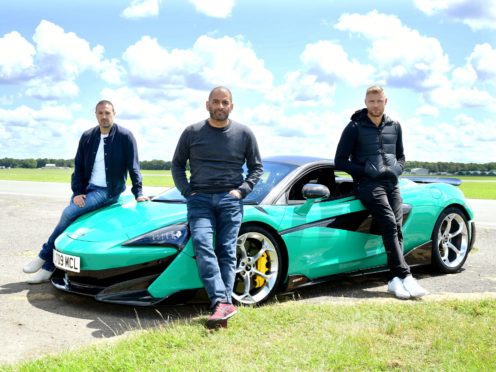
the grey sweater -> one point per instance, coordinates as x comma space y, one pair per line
216, 157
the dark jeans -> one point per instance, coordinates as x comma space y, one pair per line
96, 197
214, 221
384, 202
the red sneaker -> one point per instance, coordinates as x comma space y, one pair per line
221, 313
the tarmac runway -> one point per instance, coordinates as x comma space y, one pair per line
37, 319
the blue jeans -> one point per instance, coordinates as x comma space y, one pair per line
218, 215
96, 197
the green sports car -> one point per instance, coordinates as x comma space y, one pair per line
302, 225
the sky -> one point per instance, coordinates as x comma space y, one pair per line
297, 71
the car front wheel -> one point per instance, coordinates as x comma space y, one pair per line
258, 268
450, 240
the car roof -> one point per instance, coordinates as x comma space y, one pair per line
298, 160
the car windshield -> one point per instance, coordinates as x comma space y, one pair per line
273, 173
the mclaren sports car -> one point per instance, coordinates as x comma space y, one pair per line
302, 225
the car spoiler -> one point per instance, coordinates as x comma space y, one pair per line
449, 180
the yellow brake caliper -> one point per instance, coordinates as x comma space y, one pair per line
262, 267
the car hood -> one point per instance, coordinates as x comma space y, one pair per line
125, 220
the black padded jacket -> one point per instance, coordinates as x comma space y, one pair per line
367, 151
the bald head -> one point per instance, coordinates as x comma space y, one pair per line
222, 89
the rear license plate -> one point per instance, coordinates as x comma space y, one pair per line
66, 262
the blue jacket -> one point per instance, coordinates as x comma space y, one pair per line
121, 157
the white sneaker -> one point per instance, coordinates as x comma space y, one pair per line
33, 266
40, 277
395, 286
412, 286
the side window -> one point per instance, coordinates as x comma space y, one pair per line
340, 185
344, 186
323, 176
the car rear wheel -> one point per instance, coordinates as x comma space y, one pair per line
258, 268
450, 240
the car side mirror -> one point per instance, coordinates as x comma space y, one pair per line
315, 191
312, 192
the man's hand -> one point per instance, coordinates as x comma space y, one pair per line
142, 198
236, 193
79, 200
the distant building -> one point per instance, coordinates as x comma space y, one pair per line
420, 171
49, 165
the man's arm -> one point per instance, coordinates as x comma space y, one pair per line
77, 178
400, 154
132, 163
181, 156
254, 164
345, 149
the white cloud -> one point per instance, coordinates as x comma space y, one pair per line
111, 71
477, 14
142, 9
210, 62
16, 57
403, 56
214, 8
49, 69
464, 76
278, 133
456, 98
47, 131
150, 64
64, 55
427, 110
331, 63
48, 89
483, 59
302, 89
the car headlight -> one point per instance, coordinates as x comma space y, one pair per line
171, 236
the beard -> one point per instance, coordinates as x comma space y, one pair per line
105, 123
375, 113
219, 115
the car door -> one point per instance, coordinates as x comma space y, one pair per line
330, 236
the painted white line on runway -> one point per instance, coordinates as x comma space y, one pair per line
33, 195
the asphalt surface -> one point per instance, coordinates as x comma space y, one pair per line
36, 320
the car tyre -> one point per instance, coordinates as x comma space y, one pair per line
259, 266
450, 241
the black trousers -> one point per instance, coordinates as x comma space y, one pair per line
383, 200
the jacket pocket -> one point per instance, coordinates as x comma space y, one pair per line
392, 165
374, 166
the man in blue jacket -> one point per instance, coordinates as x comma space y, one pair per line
106, 153
371, 150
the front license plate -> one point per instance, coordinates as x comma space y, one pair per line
66, 262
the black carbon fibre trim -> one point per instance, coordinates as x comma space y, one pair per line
105, 278
260, 209
320, 223
357, 221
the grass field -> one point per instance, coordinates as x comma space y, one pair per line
475, 187
296, 336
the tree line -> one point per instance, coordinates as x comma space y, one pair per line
432, 167
69, 163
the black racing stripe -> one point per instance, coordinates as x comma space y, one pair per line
321, 223
260, 209
360, 221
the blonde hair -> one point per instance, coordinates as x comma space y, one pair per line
374, 89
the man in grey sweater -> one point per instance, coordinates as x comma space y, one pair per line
217, 149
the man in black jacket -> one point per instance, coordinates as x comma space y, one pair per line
106, 153
371, 150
